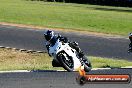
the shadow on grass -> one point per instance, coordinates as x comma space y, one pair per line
108, 66
113, 9
46, 71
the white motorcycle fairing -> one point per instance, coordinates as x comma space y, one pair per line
59, 47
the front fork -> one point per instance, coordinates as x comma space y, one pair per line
81, 60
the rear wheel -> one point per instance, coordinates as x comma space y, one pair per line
66, 61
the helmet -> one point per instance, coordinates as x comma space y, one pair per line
130, 34
48, 35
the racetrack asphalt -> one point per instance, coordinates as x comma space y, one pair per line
16, 37
57, 79
27, 38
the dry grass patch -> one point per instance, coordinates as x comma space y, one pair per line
16, 60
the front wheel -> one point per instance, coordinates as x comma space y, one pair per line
87, 64
66, 61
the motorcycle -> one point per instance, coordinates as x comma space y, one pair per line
130, 45
130, 48
67, 57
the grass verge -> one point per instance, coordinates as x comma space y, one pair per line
16, 60
104, 19
99, 62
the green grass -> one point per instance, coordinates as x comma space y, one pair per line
16, 60
104, 19
99, 62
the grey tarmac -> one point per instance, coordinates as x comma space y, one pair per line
52, 79
26, 38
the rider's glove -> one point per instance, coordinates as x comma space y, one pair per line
64, 39
48, 46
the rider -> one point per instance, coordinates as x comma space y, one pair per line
51, 40
130, 45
